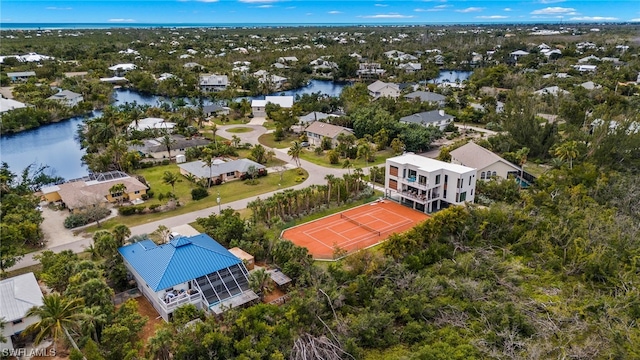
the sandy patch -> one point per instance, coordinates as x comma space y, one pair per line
53, 228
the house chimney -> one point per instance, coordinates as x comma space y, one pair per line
441, 112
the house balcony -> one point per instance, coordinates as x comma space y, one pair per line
411, 181
179, 300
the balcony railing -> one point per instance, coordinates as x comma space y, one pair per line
181, 299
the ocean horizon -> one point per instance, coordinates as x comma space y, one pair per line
126, 25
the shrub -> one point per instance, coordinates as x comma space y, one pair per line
199, 193
154, 207
126, 210
300, 179
75, 220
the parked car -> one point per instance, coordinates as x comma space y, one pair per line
304, 144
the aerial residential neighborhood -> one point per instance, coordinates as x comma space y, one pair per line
322, 191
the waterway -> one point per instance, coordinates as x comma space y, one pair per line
56, 145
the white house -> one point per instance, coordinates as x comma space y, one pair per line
69, 98
188, 270
258, 107
10, 104
487, 163
121, 69
152, 123
381, 89
426, 184
17, 295
437, 118
213, 83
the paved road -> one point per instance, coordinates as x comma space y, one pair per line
317, 174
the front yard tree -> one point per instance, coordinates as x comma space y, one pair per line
57, 316
167, 141
170, 178
294, 152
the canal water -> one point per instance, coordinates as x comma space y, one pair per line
57, 146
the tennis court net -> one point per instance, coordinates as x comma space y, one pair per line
360, 224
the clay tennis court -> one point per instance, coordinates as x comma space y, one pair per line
353, 229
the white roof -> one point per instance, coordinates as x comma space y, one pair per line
17, 295
123, 67
429, 165
284, 101
152, 123
9, 104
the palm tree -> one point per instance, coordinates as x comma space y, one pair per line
521, 155
167, 141
118, 191
567, 151
259, 282
121, 233
57, 315
208, 162
214, 131
117, 148
330, 180
347, 165
93, 320
170, 178
235, 140
159, 346
294, 152
364, 152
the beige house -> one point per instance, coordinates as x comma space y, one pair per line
382, 89
488, 164
95, 190
319, 130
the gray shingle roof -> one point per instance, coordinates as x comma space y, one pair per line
426, 117
199, 169
425, 96
475, 156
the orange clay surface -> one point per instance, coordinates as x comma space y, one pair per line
377, 221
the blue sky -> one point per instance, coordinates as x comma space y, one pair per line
329, 11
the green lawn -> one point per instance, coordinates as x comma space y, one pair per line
240, 130
268, 140
231, 191
231, 121
323, 160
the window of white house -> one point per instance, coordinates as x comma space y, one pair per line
437, 179
463, 196
482, 175
494, 174
231, 173
137, 192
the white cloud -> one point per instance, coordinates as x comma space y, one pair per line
433, 9
507, 9
266, 6
420, 10
258, 1
553, 11
635, 20
381, 5
334, 12
309, 14
594, 18
387, 16
491, 17
121, 20
550, 1
208, 1
470, 9
290, 7
58, 8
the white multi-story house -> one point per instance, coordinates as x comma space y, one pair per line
428, 185
381, 89
213, 83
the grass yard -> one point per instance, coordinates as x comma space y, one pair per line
229, 192
379, 158
240, 130
269, 140
231, 121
